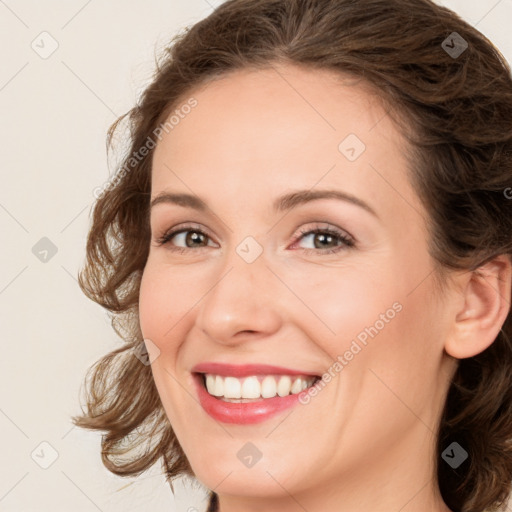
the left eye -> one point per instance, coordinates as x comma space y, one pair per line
323, 238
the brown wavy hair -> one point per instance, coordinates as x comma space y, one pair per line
456, 113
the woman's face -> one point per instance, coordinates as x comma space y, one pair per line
251, 283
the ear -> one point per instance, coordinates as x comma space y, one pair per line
484, 306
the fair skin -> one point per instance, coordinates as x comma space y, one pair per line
367, 440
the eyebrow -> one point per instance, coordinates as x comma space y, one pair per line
282, 203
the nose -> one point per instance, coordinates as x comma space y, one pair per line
242, 303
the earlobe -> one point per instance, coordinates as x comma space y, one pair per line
485, 306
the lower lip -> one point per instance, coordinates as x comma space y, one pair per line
242, 413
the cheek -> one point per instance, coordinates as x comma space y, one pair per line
149, 304
163, 305
334, 305
165, 298
399, 349
373, 316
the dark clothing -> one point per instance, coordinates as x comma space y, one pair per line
213, 505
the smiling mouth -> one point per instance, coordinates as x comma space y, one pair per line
254, 388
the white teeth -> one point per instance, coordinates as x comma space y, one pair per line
215, 385
219, 386
268, 387
297, 386
284, 386
232, 388
210, 384
253, 387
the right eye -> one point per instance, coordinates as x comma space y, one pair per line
185, 235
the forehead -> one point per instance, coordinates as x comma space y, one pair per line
257, 132
292, 101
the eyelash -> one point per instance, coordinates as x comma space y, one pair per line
346, 241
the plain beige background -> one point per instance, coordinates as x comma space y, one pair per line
68, 69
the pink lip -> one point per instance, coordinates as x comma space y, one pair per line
245, 370
249, 412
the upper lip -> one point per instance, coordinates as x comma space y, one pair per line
245, 370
